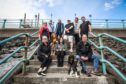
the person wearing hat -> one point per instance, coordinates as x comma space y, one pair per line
44, 57
69, 33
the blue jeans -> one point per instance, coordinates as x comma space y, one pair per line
95, 58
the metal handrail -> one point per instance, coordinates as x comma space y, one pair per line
16, 65
101, 47
113, 37
108, 23
115, 69
12, 54
16, 36
11, 71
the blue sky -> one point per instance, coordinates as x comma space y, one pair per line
63, 9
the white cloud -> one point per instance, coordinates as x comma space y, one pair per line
112, 4
51, 3
15, 9
116, 2
108, 6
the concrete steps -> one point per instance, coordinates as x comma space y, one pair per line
58, 75
61, 78
36, 62
52, 69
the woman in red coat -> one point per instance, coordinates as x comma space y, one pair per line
44, 31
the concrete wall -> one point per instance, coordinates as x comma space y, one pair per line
10, 32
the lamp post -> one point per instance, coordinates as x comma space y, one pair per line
123, 24
35, 21
107, 26
90, 17
51, 16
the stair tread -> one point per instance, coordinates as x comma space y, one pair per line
54, 66
57, 75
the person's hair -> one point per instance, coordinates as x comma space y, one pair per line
68, 21
77, 18
84, 35
45, 37
83, 17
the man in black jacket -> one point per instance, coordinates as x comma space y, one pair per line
44, 57
84, 53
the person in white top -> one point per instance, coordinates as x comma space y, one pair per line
76, 29
51, 26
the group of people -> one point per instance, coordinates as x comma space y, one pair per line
58, 39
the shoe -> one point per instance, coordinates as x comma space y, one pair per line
39, 73
40, 70
76, 75
43, 74
71, 73
88, 74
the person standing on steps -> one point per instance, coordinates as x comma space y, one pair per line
51, 27
44, 31
59, 28
44, 57
85, 53
85, 27
76, 29
69, 33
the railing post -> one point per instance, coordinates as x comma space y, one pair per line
25, 56
102, 56
123, 24
4, 23
20, 23
36, 21
24, 18
107, 26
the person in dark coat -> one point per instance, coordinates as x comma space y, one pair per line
44, 57
85, 53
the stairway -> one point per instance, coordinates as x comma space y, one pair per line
58, 75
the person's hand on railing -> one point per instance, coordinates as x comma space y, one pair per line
92, 34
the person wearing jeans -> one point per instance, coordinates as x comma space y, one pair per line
84, 54
95, 59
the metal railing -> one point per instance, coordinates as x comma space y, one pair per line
25, 58
105, 61
21, 23
96, 23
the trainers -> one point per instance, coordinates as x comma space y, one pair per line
88, 74
43, 74
39, 73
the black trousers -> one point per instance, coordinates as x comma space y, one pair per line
77, 39
60, 58
45, 61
